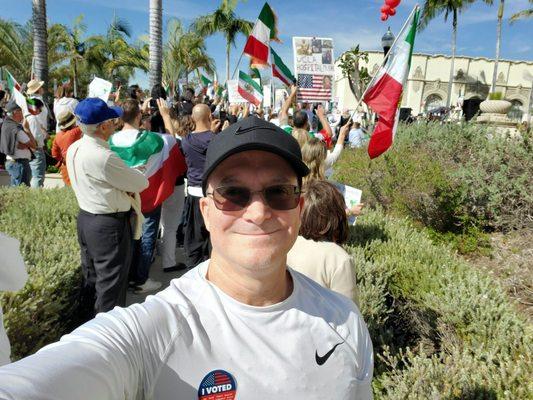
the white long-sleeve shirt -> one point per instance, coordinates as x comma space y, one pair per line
192, 340
99, 177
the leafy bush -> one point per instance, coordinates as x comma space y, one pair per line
448, 177
45, 223
440, 328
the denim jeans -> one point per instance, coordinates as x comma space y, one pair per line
38, 168
19, 171
144, 248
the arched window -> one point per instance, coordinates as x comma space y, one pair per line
517, 110
433, 101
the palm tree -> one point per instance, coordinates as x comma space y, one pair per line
156, 41
40, 48
187, 50
74, 47
528, 13
103, 52
225, 21
432, 9
16, 48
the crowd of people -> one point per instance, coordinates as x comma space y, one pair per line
245, 191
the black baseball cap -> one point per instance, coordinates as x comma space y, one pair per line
253, 133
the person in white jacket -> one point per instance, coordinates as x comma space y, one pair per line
13, 276
63, 101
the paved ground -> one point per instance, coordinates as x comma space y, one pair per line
157, 274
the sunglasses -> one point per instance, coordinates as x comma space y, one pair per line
236, 198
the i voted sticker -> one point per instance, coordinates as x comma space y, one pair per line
217, 385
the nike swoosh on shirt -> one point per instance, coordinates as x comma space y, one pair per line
322, 359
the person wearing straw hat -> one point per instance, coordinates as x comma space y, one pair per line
68, 133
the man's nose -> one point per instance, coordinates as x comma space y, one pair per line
257, 211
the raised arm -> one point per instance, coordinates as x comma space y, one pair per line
320, 112
165, 114
284, 112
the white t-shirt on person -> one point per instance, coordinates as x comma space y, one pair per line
192, 340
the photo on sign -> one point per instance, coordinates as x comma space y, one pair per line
327, 57
317, 46
303, 47
327, 44
326, 82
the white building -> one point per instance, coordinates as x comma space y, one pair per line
427, 86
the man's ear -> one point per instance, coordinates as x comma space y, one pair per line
204, 209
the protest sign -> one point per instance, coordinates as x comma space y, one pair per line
313, 56
267, 96
233, 91
100, 88
352, 197
314, 64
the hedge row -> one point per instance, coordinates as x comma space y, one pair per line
441, 329
45, 223
450, 178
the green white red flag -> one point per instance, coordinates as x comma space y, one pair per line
258, 43
250, 89
280, 70
205, 80
26, 105
385, 90
161, 160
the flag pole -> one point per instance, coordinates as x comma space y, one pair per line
238, 63
384, 60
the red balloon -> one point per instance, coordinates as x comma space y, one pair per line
384, 9
392, 3
392, 12
384, 16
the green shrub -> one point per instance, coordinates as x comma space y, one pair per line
448, 177
440, 328
45, 223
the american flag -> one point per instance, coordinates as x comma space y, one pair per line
311, 87
216, 378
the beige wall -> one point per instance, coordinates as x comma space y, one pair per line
429, 75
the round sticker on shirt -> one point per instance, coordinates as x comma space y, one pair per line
217, 385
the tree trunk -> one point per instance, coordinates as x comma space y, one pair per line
40, 46
498, 42
228, 47
75, 78
156, 42
454, 43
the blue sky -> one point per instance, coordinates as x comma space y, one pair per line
348, 22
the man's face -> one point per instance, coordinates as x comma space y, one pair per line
256, 237
17, 115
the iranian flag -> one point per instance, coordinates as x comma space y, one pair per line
280, 70
15, 89
258, 43
158, 157
250, 89
205, 80
384, 92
